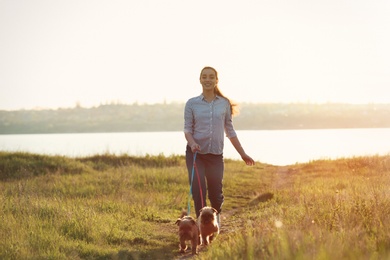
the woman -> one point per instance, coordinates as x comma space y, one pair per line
206, 118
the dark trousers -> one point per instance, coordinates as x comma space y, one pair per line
210, 168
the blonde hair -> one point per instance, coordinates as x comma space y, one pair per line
217, 91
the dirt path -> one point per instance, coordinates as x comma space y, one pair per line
230, 219
281, 177
230, 223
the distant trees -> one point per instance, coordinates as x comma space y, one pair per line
313, 116
170, 117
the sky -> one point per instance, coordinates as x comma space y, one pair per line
56, 54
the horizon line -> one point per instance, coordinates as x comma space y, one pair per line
78, 105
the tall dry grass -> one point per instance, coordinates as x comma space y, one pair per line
320, 210
100, 207
123, 207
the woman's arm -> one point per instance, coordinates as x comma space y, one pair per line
191, 142
188, 127
237, 145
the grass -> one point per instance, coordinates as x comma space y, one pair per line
124, 207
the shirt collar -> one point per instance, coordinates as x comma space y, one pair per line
202, 97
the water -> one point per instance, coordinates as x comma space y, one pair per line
277, 147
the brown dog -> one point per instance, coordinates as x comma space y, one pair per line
208, 224
188, 230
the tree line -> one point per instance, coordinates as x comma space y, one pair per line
170, 117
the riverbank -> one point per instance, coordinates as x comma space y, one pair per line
115, 118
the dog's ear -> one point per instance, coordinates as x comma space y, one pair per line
193, 221
178, 221
183, 213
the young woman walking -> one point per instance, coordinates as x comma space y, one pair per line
206, 119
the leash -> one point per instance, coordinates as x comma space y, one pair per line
200, 186
194, 169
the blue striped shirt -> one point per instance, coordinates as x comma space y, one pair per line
207, 122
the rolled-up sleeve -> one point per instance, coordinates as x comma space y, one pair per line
188, 118
229, 128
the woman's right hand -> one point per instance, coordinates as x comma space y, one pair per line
195, 147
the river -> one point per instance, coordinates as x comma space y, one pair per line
277, 147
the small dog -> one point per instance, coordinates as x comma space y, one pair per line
188, 230
208, 224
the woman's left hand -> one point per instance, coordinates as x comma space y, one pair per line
248, 160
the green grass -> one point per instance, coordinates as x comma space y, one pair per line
124, 207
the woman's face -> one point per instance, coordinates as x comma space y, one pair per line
208, 79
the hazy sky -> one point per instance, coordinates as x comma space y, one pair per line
56, 53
